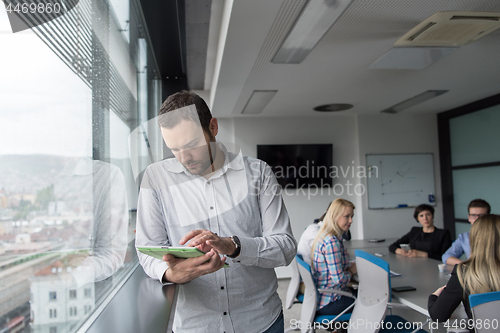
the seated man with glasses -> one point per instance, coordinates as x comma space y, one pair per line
476, 208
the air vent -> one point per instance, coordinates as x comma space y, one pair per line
451, 29
421, 31
477, 18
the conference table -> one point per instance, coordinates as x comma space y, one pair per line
420, 273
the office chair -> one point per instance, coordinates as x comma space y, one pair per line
374, 296
293, 295
308, 316
485, 310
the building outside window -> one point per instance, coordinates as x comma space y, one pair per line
70, 99
52, 295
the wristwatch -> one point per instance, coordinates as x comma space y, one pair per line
236, 242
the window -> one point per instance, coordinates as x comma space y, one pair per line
469, 138
70, 97
87, 308
53, 330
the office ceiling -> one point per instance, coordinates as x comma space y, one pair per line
244, 36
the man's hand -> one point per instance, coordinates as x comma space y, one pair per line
206, 240
184, 270
453, 261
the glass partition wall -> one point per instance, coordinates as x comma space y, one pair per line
470, 159
71, 90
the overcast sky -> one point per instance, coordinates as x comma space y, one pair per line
44, 107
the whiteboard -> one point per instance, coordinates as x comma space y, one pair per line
400, 180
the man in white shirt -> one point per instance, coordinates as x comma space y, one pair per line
226, 205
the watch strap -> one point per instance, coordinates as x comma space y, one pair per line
236, 242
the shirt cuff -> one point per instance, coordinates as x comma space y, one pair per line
249, 251
160, 271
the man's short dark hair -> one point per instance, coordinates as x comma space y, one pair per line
180, 100
479, 203
421, 208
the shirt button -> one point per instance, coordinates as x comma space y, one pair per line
222, 287
208, 183
211, 207
225, 313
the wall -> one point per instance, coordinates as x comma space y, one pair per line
303, 206
352, 137
391, 134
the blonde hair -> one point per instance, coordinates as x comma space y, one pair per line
330, 226
481, 272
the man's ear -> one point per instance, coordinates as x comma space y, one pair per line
213, 126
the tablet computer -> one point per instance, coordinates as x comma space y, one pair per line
179, 252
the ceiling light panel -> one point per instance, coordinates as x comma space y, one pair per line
314, 21
258, 101
420, 98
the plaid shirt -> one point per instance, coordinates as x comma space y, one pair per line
330, 264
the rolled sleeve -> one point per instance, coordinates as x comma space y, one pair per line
457, 248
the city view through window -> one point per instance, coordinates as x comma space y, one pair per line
66, 212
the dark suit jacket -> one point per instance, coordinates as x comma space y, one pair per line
440, 241
441, 308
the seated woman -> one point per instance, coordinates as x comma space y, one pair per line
332, 269
306, 240
478, 274
427, 241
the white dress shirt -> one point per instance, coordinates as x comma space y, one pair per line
243, 198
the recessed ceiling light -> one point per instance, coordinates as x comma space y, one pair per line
315, 20
258, 101
420, 98
333, 107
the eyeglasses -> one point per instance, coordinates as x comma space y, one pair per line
476, 215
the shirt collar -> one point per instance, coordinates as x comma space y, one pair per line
232, 160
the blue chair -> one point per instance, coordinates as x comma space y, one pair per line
374, 298
308, 318
485, 310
